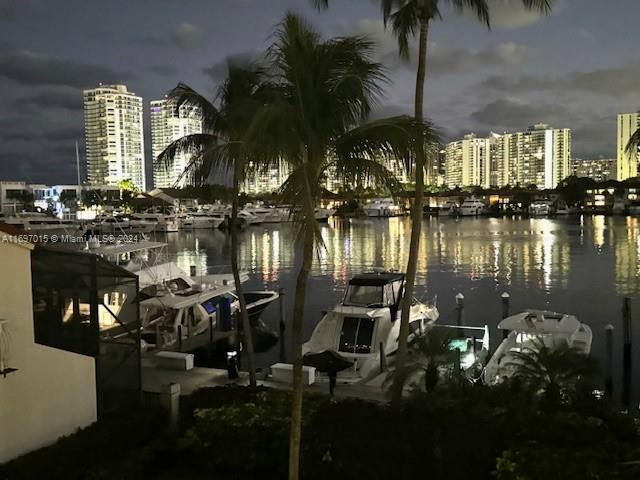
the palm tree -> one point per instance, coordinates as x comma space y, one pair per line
325, 90
221, 147
426, 355
634, 143
408, 17
556, 371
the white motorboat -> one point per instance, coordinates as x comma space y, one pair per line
200, 220
381, 207
526, 330
175, 303
449, 208
361, 332
472, 207
323, 214
42, 224
268, 214
163, 222
108, 224
540, 208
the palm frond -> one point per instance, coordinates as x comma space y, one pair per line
189, 144
479, 7
320, 4
183, 94
542, 6
634, 143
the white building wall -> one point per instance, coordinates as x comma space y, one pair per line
53, 393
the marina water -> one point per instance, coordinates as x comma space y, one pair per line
581, 265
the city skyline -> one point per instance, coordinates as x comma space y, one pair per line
574, 68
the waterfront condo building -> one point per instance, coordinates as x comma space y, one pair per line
114, 136
627, 165
170, 123
539, 156
468, 162
600, 170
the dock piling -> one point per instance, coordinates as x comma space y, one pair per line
281, 324
608, 379
626, 352
506, 298
383, 358
460, 308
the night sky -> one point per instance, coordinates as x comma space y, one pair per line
577, 68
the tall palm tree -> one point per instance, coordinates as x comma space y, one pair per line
325, 90
633, 146
408, 17
557, 372
221, 147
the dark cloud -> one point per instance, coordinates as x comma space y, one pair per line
52, 99
218, 71
611, 81
512, 113
163, 70
10, 10
188, 36
29, 68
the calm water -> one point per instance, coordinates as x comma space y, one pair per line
584, 266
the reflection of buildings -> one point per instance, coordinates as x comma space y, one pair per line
627, 245
627, 164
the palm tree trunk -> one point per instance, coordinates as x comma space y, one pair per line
296, 340
246, 326
416, 219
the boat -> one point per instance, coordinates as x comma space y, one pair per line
323, 214
245, 217
526, 330
268, 214
362, 331
37, 223
177, 304
113, 225
449, 208
540, 208
472, 207
200, 220
163, 222
381, 207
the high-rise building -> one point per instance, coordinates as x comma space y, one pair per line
600, 170
169, 123
114, 136
627, 165
258, 181
468, 162
539, 156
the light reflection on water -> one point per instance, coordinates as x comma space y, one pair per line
582, 265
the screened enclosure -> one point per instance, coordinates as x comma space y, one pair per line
86, 305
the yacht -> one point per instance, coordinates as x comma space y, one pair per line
109, 224
200, 220
268, 214
360, 333
540, 208
382, 207
163, 222
42, 224
245, 217
472, 207
323, 214
526, 330
449, 208
176, 304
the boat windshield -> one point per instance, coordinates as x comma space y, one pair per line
356, 335
364, 295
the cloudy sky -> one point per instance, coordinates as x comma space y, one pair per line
577, 68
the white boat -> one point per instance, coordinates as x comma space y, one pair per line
449, 208
163, 222
200, 220
108, 224
540, 208
361, 332
472, 207
245, 217
42, 224
171, 298
381, 207
323, 214
527, 329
